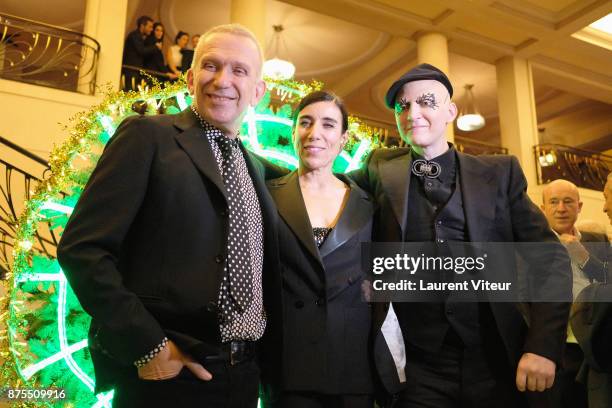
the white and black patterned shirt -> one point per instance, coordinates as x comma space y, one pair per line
250, 324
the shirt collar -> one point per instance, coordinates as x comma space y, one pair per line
446, 160
212, 131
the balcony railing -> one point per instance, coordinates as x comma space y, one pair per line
586, 169
16, 186
135, 78
42, 54
478, 148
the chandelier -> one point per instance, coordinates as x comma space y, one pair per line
469, 117
277, 68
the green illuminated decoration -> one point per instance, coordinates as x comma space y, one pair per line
44, 344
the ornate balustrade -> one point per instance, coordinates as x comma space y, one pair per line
47, 55
584, 168
16, 186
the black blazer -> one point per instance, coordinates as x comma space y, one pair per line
154, 60
135, 50
599, 266
326, 321
145, 247
591, 323
497, 209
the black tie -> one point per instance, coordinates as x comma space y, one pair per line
239, 255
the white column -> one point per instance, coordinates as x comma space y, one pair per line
517, 112
432, 48
251, 14
105, 21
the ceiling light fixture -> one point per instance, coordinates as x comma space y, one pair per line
469, 118
277, 68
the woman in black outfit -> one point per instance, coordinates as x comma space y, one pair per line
155, 61
324, 219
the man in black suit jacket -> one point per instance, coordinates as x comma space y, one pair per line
589, 253
591, 322
135, 50
450, 196
171, 247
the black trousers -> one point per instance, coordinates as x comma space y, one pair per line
301, 399
457, 377
566, 391
231, 387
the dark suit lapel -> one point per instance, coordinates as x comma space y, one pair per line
195, 144
395, 179
355, 214
479, 190
290, 204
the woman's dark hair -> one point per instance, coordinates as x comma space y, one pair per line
157, 24
322, 96
179, 35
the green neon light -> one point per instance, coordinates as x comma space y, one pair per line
107, 123
181, 101
104, 400
61, 321
50, 205
362, 150
29, 371
273, 119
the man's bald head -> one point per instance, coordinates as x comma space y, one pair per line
561, 205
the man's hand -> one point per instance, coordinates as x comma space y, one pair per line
535, 373
168, 364
575, 249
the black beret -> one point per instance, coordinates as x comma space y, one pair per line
418, 73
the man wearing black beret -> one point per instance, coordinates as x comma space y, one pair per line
462, 354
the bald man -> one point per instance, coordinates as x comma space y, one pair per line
561, 205
460, 353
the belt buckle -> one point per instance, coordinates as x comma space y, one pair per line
235, 352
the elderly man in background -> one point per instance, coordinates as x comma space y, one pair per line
589, 255
591, 323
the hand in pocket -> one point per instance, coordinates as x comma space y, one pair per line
169, 363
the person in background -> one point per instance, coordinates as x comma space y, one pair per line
188, 53
172, 246
608, 198
485, 354
135, 51
325, 218
194, 41
591, 323
589, 253
155, 61
174, 57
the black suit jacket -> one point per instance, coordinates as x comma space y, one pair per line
591, 323
135, 49
497, 209
326, 320
145, 247
599, 266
